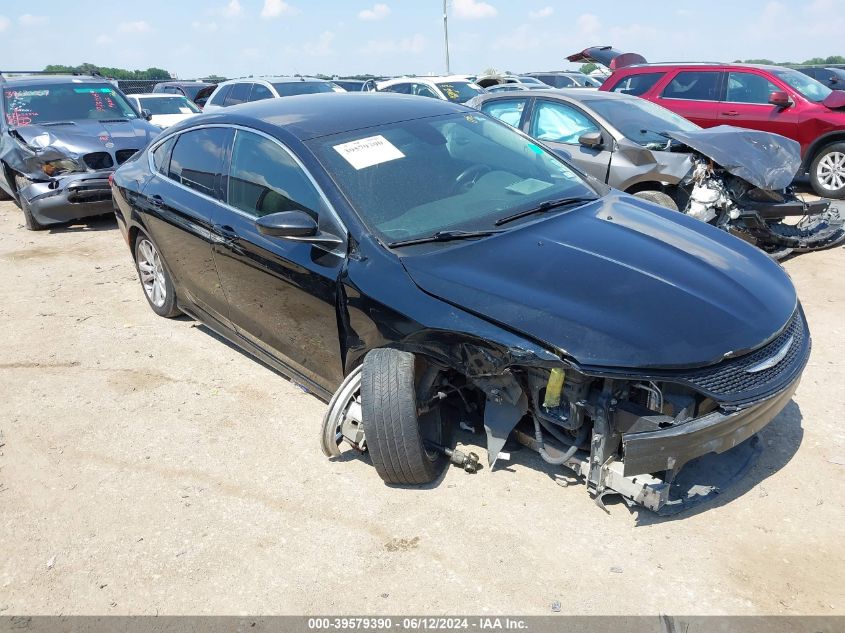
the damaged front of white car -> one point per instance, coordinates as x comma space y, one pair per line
61, 137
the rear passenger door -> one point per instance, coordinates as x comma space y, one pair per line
181, 202
282, 293
560, 125
695, 95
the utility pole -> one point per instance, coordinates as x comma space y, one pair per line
446, 32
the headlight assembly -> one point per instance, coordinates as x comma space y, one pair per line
60, 166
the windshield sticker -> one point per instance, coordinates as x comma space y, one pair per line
528, 186
19, 94
369, 151
92, 90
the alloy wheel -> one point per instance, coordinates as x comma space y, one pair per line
152, 273
831, 171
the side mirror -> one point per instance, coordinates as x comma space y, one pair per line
592, 140
291, 224
780, 99
146, 114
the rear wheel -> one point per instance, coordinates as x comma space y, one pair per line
658, 197
31, 223
827, 171
399, 429
155, 280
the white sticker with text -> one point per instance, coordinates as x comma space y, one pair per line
369, 151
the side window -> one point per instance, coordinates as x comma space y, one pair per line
265, 179
693, 84
197, 159
424, 91
238, 94
404, 89
161, 156
221, 95
749, 88
637, 84
507, 110
560, 123
259, 92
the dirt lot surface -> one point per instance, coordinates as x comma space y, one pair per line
148, 467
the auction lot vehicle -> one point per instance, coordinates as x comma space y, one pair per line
237, 91
196, 91
164, 109
833, 78
416, 262
736, 179
768, 98
564, 79
454, 88
61, 137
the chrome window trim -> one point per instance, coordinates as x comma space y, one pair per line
225, 204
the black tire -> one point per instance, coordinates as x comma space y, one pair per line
31, 223
391, 422
167, 307
825, 186
658, 197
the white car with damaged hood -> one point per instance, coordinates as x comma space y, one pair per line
164, 109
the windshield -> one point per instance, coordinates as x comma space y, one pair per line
459, 91
639, 120
530, 80
168, 105
453, 172
35, 104
807, 86
292, 88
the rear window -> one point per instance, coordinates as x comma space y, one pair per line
696, 85
637, 84
460, 91
292, 88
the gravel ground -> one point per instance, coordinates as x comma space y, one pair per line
147, 467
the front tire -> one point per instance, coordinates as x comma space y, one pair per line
659, 198
395, 430
31, 223
827, 171
155, 279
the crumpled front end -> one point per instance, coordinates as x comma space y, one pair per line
631, 434
69, 197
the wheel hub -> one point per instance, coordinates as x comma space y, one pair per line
831, 171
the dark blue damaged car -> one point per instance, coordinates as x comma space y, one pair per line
416, 264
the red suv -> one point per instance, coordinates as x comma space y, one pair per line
769, 98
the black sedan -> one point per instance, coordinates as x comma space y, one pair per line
415, 262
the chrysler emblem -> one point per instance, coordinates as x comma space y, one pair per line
771, 361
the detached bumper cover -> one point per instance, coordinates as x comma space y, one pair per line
717, 432
69, 197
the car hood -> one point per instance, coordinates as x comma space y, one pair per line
607, 56
765, 160
616, 283
835, 100
81, 137
166, 120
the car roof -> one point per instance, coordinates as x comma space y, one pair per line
157, 95
275, 80
431, 79
185, 83
23, 80
314, 115
699, 65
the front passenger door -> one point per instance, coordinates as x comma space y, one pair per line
560, 125
282, 293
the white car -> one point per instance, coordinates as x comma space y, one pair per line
454, 88
237, 91
165, 109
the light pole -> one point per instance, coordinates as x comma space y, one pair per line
446, 32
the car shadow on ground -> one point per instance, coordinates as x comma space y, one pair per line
97, 223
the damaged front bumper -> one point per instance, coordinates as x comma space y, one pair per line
69, 197
650, 461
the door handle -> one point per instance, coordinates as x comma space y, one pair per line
731, 113
157, 201
228, 237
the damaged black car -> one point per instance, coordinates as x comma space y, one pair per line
737, 179
61, 137
424, 267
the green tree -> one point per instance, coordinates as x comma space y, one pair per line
588, 68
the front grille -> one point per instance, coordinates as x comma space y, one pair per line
730, 382
123, 155
98, 160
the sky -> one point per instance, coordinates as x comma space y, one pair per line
236, 38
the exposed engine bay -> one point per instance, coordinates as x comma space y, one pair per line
741, 181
